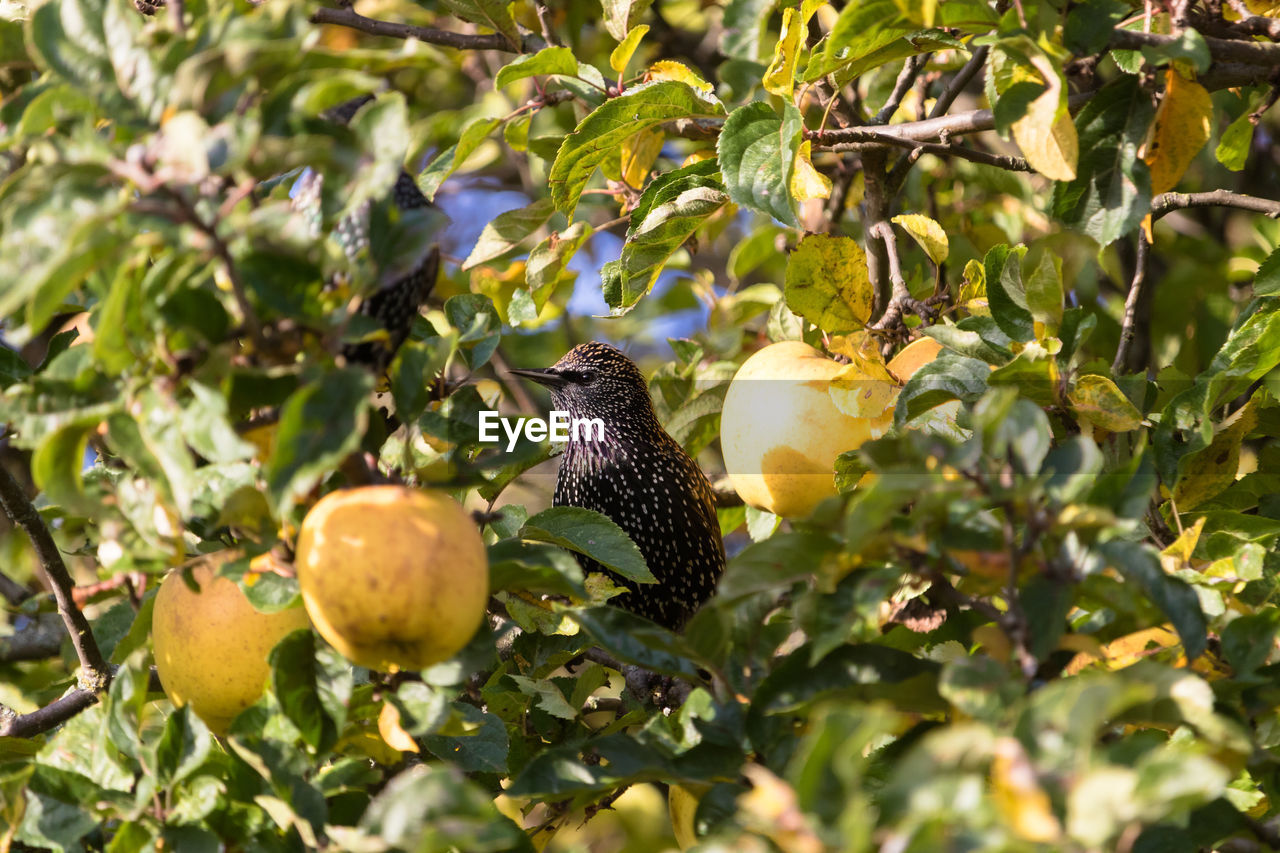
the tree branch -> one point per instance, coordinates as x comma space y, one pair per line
462, 41
58, 711
906, 77
958, 82
1168, 202
14, 501
1124, 360
39, 639
95, 675
900, 300
13, 592
1222, 50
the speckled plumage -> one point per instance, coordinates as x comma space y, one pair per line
640, 477
395, 306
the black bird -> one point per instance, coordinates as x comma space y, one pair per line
395, 305
639, 477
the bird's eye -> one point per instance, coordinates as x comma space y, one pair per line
587, 376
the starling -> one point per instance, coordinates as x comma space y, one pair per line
395, 305
639, 477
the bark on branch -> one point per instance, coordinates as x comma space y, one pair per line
1169, 202
346, 17
95, 675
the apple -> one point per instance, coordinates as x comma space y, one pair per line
211, 646
393, 578
780, 430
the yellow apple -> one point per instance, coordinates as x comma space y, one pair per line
682, 804
394, 578
211, 646
781, 432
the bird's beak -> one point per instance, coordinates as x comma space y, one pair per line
547, 376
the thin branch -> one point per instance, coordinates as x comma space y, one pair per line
431, 35
39, 639
1222, 50
900, 299
544, 21
95, 675
13, 592
41, 720
906, 77
1123, 362
959, 82
1168, 202
870, 137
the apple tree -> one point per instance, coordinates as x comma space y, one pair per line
1038, 614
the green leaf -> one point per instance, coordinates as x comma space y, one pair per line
1233, 147
1266, 281
515, 565
482, 749
862, 672
950, 376
591, 534
548, 61
976, 337
621, 16
1140, 564
548, 263
508, 230
1006, 293
293, 680
635, 640
744, 22
617, 119
757, 152
183, 746
827, 283
432, 807
672, 209
1097, 400
1112, 189
320, 424
493, 14
448, 160
1090, 24
1044, 293
863, 33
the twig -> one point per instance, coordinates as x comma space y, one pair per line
95, 675
1128, 328
1222, 50
900, 299
82, 595
544, 21
178, 11
870, 137
906, 77
1168, 202
875, 208
959, 82
58, 711
431, 35
13, 592
40, 639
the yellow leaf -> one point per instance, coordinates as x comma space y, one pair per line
391, 730
1267, 8
780, 77
864, 388
1018, 796
1127, 650
927, 233
1213, 468
1178, 555
827, 283
669, 69
1047, 135
807, 182
622, 53
698, 156
975, 282
1097, 400
1179, 132
639, 153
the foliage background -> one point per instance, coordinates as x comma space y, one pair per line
1048, 621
